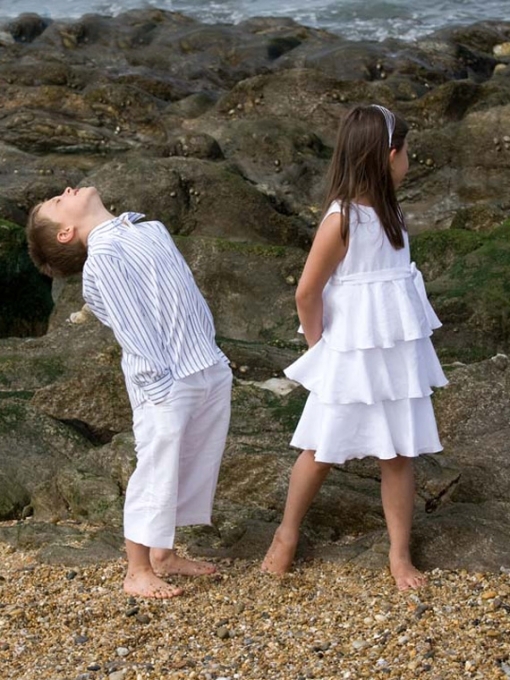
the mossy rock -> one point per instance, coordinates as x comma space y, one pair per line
26, 301
22, 373
436, 251
469, 286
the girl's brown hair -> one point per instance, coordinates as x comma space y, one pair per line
360, 167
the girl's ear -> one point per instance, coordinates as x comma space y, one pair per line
66, 234
393, 153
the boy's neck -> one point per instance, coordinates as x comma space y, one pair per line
93, 220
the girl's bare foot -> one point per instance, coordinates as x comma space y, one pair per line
173, 564
147, 584
279, 557
405, 574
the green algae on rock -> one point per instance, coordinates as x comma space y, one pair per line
26, 301
469, 285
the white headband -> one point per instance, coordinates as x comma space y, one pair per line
389, 117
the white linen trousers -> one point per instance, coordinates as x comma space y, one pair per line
179, 447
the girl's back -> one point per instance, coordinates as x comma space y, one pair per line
369, 248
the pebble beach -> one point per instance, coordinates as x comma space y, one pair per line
321, 621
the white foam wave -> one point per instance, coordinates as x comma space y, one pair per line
370, 20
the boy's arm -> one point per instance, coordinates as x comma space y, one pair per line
113, 296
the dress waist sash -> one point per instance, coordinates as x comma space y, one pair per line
375, 276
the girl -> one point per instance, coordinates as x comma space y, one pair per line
370, 367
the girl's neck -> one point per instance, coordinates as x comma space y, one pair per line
362, 200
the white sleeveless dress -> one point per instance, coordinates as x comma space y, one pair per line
371, 374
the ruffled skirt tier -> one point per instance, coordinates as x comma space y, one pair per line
406, 427
408, 370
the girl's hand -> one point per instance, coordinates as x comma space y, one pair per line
327, 251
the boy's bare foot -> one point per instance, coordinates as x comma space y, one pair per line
147, 584
174, 564
406, 575
279, 557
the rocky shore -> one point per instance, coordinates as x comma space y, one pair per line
225, 132
320, 622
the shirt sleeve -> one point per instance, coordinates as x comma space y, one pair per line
113, 297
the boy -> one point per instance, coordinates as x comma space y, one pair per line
178, 381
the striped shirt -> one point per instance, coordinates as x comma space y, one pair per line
137, 283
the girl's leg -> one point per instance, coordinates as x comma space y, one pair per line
397, 492
305, 481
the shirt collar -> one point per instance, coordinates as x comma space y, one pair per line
126, 219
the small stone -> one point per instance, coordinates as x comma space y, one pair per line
122, 651
420, 610
222, 632
244, 369
506, 669
502, 50
291, 280
117, 675
239, 608
501, 361
81, 639
71, 575
359, 644
132, 611
489, 595
143, 618
173, 194
94, 667
429, 162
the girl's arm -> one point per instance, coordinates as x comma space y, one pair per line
327, 251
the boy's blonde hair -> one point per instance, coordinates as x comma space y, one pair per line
51, 257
